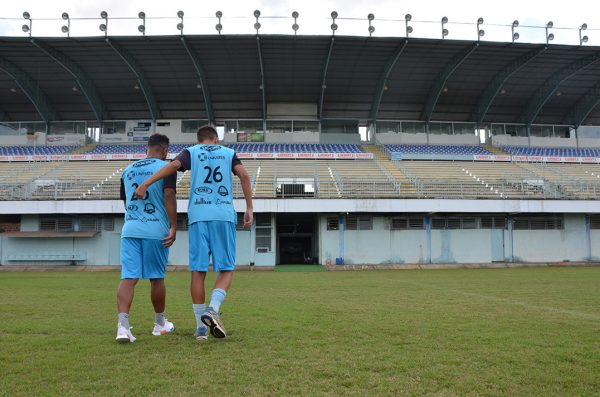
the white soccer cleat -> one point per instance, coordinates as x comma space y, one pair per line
124, 335
163, 329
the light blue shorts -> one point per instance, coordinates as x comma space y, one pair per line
143, 258
212, 238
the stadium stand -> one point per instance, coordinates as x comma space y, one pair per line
34, 150
436, 149
559, 152
130, 149
294, 148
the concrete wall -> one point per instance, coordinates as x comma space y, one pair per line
595, 244
461, 246
38, 139
377, 246
421, 139
332, 137
292, 137
552, 245
589, 142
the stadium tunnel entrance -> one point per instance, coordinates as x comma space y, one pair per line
297, 239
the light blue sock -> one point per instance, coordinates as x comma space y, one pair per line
199, 309
217, 298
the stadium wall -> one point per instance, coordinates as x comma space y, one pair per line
421, 138
595, 245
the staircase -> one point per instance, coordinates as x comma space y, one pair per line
496, 150
390, 169
83, 149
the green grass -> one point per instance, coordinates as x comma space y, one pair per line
510, 332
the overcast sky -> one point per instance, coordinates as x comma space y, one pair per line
314, 17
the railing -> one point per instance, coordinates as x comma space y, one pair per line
327, 188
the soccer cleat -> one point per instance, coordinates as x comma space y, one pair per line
163, 329
202, 334
213, 321
124, 335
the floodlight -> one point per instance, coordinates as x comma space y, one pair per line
371, 29
295, 27
409, 29
102, 27
65, 29
104, 14
444, 20
219, 27
515, 36
481, 33
26, 15
180, 26
142, 29
444, 33
180, 14
515, 23
65, 16
584, 39
257, 26
479, 21
583, 27
551, 36
334, 14
256, 13
370, 17
25, 28
295, 14
550, 25
334, 26
408, 17
219, 14
142, 15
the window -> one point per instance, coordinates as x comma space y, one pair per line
182, 222
263, 232
333, 223
460, 222
113, 127
407, 223
493, 222
56, 224
359, 222
549, 222
595, 221
240, 222
191, 126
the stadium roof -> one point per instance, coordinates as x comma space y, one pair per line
234, 77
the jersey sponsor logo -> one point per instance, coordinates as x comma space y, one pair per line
201, 201
210, 148
133, 174
142, 163
202, 156
203, 190
149, 208
223, 191
132, 207
222, 202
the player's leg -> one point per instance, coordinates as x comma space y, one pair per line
199, 258
154, 268
131, 271
223, 251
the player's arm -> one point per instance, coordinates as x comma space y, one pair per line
171, 207
241, 173
164, 172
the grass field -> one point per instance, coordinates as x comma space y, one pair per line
517, 332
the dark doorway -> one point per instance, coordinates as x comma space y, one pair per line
296, 239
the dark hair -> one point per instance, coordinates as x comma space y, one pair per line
206, 132
158, 140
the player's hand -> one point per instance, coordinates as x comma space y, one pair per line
248, 218
170, 239
140, 192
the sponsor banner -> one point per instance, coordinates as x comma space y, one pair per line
572, 159
78, 157
264, 155
307, 155
535, 159
345, 155
326, 155
482, 157
589, 160
519, 158
138, 156
5, 158
55, 138
244, 155
21, 158
120, 156
59, 157
285, 155
555, 159
364, 156
101, 156
503, 158
40, 158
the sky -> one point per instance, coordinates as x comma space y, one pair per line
314, 17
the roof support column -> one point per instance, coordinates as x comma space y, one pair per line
203, 81
263, 87
323, 80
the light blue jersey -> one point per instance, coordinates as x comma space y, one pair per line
144, 218
211, 191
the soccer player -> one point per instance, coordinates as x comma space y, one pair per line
212, 221
149, 231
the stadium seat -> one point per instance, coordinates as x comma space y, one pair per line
35, 150
437, 149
